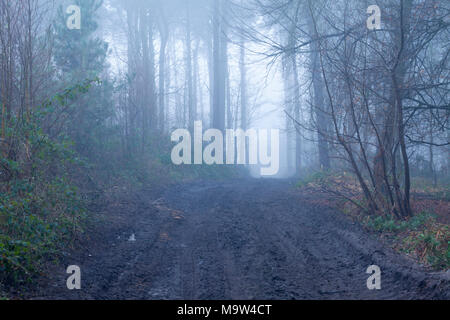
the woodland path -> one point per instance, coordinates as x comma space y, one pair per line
238, 239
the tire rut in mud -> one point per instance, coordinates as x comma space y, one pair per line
243, 239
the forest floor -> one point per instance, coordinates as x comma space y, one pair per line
238, 239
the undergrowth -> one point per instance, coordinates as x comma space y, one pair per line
41, 210
422, 236
46, 186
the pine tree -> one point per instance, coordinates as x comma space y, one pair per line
79, 55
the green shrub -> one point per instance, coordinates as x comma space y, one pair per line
41, 210
315, 178
421, 235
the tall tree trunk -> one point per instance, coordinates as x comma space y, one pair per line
164, 34
195, 84
296, 87
228, 100
290, 126
153, 103
398, 78
190, 104
298, 150
219, 65
145, 85
132, 68
319, 106
200, 100
243, 85
209, 43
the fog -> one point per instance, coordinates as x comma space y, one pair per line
333, 77
210, 149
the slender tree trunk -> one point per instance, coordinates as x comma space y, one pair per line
243, 85
209, 43
163, 32
195, 84
398, 75
219, 65
153, 103
190, 104
296, 89
133, 48
228, 100
290, 126
145, 101
319, 102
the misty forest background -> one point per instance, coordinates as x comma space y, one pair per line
364, 113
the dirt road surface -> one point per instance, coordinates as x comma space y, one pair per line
241, 239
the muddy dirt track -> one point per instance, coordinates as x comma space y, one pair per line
242, 239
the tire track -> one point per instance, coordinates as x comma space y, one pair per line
240, 239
